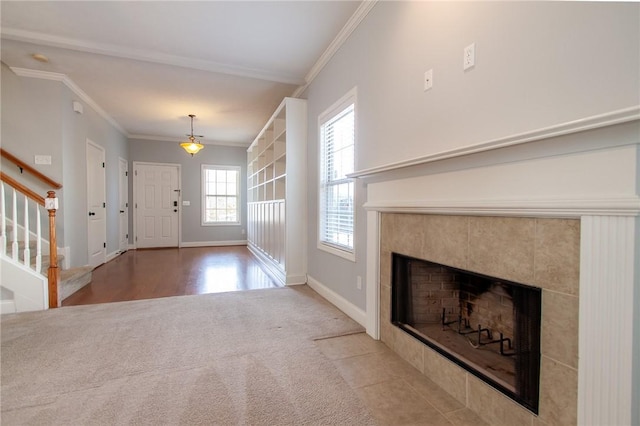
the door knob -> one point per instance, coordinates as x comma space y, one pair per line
121, 211
175, 210
92, 214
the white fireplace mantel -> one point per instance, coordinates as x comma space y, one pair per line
587, 173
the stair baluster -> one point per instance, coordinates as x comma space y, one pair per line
3, 225
14, 246
27, 251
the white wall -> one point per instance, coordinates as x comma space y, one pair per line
538, 64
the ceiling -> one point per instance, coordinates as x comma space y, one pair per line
146, 65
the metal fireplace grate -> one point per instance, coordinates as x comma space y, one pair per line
487, 325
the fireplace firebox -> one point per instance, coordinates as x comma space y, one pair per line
487, 325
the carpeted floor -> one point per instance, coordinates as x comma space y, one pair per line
240, 358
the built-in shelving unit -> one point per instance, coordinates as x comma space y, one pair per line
276, 181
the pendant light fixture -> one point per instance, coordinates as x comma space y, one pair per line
193, 146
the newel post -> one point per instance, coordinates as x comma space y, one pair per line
51, 204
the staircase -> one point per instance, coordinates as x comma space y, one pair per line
28, 279
71, 280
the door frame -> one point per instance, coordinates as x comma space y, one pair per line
122, 161
135, 197
104, 189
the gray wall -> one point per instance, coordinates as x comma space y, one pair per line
538, 64
171, 152
77, 128
38, 119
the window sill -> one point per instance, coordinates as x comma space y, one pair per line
349, 255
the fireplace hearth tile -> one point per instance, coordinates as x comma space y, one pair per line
395, 403
559, 334
502, 247
433, 393
558, 393
366, 370
387, 333
410, 349
349, 346
493, 407
465, 417
445, 374
557, 255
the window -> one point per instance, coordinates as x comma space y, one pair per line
220, 195
337, 199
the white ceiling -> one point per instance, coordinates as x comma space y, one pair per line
148, 64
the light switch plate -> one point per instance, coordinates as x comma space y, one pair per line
43, 159
186, 203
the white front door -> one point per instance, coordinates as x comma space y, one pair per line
156, 204
96, 204
124, 204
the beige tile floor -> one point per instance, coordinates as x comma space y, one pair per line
395, 392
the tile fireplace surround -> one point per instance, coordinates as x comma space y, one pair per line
540, 252
555, 208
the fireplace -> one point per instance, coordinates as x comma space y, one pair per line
488, 326
540, 253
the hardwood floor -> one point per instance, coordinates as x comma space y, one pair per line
148, 274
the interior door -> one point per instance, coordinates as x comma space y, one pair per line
123, 176
156, 204
96, 205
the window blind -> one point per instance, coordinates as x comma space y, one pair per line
337, 190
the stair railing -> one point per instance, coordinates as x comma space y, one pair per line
50, 203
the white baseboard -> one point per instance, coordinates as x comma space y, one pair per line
213, 243
112, 255
355, 313
7, 306
296, 279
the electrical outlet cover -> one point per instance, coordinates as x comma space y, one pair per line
469, 59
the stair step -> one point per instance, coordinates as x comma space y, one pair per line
72, 280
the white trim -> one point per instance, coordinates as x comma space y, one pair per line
238, 194
121, 51
373, 275
274, 270
153, 138
134, 195
580, 125
354, 21
46, 75
213, 243
345, 101
606, 344
629, 206
351, 310
113, 255
104, 191
345, 254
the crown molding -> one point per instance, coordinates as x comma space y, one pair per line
152, 138
589, 123
63, 78
353, 23
146, 56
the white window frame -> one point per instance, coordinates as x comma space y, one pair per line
203, 195
350, 98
